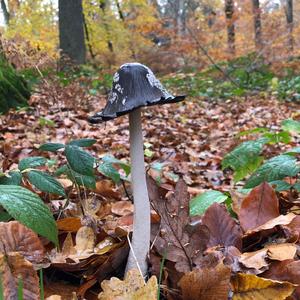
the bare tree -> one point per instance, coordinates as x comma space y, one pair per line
229, 11
288, 8
257, 24
71, 30
6, 14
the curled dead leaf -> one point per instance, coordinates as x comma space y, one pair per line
15, 237
255, 260
259, 207
85, 239
281, 251
132, 287
13, 268
280, 220
248, 287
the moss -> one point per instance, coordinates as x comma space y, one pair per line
14, 91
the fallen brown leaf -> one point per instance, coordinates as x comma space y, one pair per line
207, 283
249, 287
255, 260
281, 251
71, 224
259, 207
15, 237
224, 231
13, 268
280, 220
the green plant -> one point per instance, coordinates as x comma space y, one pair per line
247, 160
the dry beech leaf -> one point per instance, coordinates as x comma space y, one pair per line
12, 267
222, 228
255, 260
71, 224
54, 297
68, 246
280, 220
179, 242
122, 208
260, 206
132, 288
15, 237
206, 283
281, 251
287, 270
85, 239
106, 189
249, 287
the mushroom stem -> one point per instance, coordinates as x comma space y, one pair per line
141, 220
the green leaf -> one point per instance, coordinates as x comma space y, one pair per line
46, 122
245, 158
52, 147
13, 178
273, 169
291, 125
253, 131
202, 202
32, 162
79, 160
108, 170
149, 153
5, 217
281, 185
278, 137
83, 142
82, 180
112, 160
45, 182
293, 151
29, 209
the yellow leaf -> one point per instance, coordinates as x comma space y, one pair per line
250, 287
132, 288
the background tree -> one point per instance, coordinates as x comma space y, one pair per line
229, 11
6, 14
71, 30
257, 24
288, 8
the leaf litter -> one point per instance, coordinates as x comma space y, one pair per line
254, 252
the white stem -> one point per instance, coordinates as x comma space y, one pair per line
141, 220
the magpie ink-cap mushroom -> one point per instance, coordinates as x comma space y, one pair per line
135, 86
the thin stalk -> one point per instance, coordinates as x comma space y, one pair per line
141, 219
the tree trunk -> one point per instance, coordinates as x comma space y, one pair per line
257, 25
180, 17
229, 11
5, 12
71, 30
288, 7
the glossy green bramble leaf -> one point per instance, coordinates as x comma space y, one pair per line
45, 182
202, 202
29, 209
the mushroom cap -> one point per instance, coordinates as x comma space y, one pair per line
134, 86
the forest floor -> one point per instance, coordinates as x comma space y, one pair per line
191, 137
